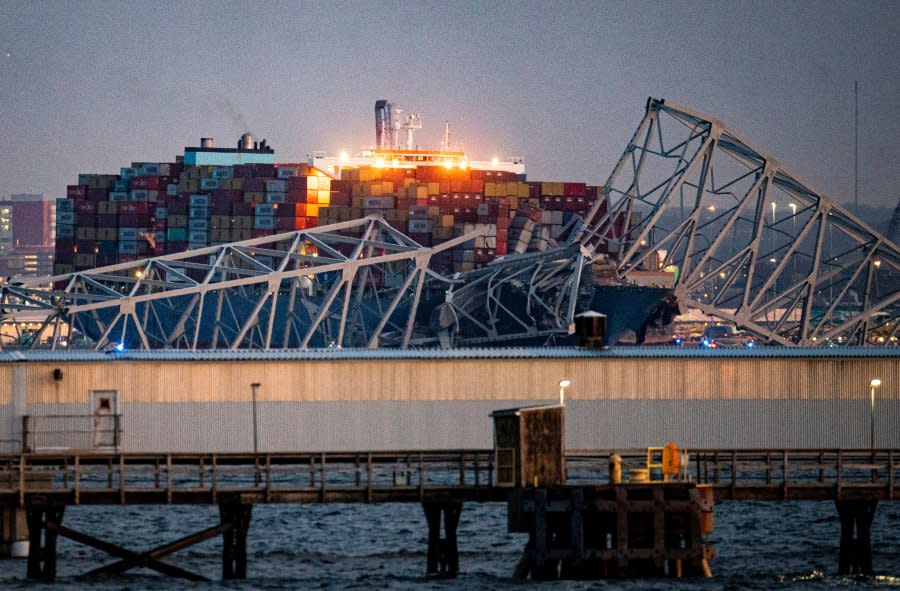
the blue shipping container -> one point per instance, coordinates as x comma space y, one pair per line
264, 223
128, 234
127, 247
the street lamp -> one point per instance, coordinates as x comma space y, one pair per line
563, 384
872, 385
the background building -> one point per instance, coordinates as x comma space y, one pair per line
27, 229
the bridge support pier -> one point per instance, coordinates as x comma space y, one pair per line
42, 535
443, 553
856, 553
234, 539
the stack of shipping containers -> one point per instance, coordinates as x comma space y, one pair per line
151, 209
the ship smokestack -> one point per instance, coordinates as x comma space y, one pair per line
206, 142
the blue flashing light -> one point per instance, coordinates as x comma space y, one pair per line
678, 341
751, 345
120, 347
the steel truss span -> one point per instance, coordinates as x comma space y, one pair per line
352, 284
752, 242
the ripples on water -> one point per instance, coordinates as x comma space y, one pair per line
791, 545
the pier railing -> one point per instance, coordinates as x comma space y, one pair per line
768, 474
407, 476
95, 478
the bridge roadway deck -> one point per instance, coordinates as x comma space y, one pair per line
418, 476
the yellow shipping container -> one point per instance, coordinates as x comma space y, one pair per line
422, 192
513, 203
375, 189
551, 188
326, 200
365, 175
523, 190
447, 220
434, 188
312, 210
490, 189
387, 187
409, 181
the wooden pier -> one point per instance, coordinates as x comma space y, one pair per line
602, 520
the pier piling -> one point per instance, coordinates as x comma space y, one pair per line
856, 553
443, 553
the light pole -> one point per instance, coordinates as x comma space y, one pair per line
254, 386
872, 385
773, 213
563, 384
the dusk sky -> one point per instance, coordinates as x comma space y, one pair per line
92, 86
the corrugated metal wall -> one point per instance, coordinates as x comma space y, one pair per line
445, 403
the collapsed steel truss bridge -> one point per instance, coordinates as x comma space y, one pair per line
750, 241
747, 240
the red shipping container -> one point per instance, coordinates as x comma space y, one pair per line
300, 223
297, 183
220, 206
177, 207
107, 220
85, 207
97, 195
263, 171
500, 248
133, 207
145, 182
312, 222
76, 191
255, 185
299, 210
285, 224
574, 189
239, 208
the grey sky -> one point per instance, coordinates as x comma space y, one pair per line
91, 86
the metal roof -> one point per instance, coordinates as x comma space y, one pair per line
449, 354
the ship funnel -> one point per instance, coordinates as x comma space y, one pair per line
246, 142
206, 142
383, 124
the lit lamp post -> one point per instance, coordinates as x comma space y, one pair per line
563, 384
872, 385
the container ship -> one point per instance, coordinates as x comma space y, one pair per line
214, 195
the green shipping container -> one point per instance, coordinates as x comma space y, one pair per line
176, 234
